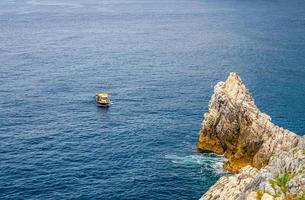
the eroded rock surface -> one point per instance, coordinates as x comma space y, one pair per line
282, 178
269, 160
235, 127
232, 187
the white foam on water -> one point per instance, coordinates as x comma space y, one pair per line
207, 162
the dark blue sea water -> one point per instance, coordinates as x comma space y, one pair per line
159, 60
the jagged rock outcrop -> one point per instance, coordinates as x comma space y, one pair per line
282, 178
232, 187
269, 160
235, 127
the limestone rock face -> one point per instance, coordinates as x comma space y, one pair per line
233, 187
235, 127
269, 160
282, 178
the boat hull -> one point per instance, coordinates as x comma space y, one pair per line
103, 104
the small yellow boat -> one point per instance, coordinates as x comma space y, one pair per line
102, 99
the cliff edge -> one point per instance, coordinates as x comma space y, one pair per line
236, 128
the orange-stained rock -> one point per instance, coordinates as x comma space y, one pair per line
259, 151
235, 127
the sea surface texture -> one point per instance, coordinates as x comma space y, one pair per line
159, 61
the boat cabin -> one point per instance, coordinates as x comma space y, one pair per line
103, 99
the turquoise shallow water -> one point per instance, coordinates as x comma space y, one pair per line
159, 60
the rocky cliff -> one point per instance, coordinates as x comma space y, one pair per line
269, 160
